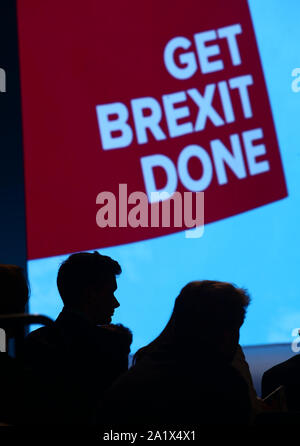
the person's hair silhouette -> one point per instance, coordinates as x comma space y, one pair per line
207, 309
210, 313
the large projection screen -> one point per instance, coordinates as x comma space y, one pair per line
182, 96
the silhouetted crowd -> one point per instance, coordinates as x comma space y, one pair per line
75, 370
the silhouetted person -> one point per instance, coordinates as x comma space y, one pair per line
14, 289
77, 358
187, 377
13, 299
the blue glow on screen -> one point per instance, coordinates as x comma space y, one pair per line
258, 250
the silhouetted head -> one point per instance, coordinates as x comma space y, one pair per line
86, 282
14, 293
208, 316
13, 289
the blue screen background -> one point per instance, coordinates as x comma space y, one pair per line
258, 250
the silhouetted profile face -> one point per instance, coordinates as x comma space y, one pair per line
102, 302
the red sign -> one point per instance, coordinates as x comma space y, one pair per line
155, 95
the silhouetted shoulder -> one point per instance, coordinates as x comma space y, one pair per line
166, 392
41, 343
287, 374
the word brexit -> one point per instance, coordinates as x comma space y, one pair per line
148, 119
